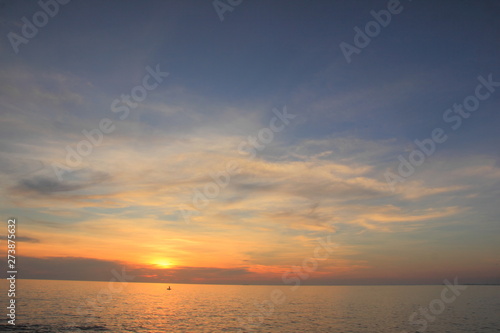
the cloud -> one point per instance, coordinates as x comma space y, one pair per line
44, 185
90, 269
23, 239
380, 218
66, 268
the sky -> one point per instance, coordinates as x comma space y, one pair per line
263, 142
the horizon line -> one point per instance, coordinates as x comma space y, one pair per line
267, 284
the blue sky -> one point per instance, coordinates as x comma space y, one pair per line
323, 174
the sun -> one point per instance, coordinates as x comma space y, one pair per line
162, 263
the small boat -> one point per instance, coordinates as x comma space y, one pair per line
169, 288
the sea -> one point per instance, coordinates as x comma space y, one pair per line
77, 306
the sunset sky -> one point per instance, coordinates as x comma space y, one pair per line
327, 132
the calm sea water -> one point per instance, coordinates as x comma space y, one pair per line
73, 306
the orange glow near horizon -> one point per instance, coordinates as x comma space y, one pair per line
163, 263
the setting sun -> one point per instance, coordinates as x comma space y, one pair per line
163, 263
